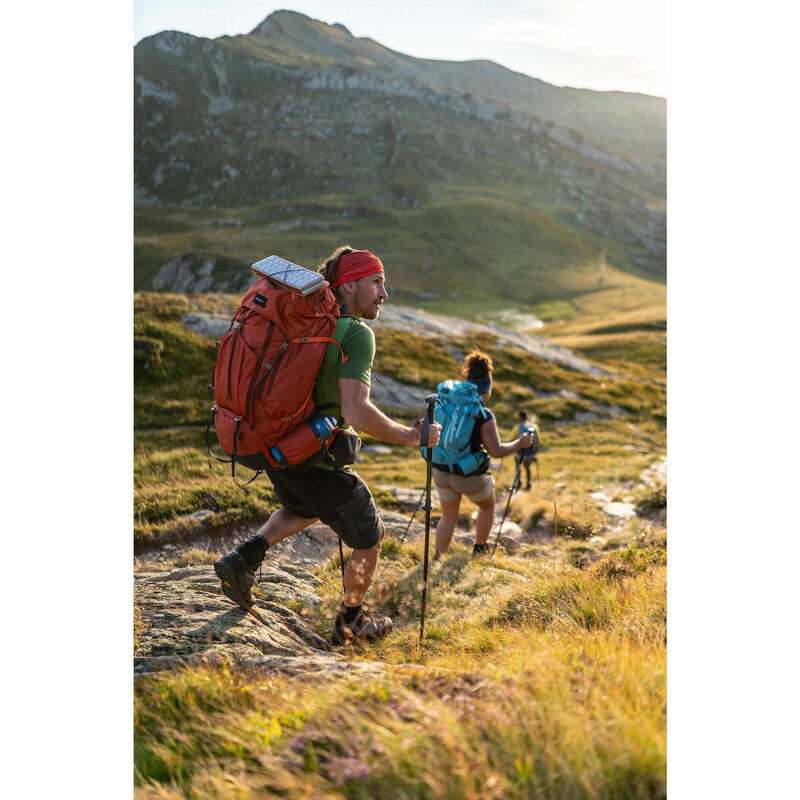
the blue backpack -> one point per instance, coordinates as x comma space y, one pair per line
459, 408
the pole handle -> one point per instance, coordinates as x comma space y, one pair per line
425, 430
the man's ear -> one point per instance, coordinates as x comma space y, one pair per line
346, 290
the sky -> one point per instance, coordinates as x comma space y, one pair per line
591, 44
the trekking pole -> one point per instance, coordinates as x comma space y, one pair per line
341, 561
514, 486
424, 433
419, 503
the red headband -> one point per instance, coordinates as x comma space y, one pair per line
355, 265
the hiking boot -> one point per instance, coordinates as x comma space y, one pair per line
480, 550
362, 627
237, 579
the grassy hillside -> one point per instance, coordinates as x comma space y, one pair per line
619, 327
543, 673
173, 367
537, 679
488, 195
526, 260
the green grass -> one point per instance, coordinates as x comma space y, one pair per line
542, 674
173, 479
652, 500
623, 328
535, 263
532, 682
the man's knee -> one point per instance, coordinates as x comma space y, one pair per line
368, 552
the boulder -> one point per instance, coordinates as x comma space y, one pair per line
376, 449
410, 498
183, 617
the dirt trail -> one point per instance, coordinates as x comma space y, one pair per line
318, 543
309, 548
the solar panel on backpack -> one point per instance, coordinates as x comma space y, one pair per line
288, 275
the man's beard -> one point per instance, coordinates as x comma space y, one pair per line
372, 312
368, 309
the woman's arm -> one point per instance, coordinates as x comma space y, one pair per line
497, 449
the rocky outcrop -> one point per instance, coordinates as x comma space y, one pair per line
389, 393
184, 618
392, 393
434, 326
212, 326
191, 272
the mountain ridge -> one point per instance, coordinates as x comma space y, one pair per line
298, 110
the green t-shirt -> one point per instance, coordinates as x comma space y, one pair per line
358, 344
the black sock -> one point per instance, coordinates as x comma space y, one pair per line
479, 548
350, 613
253, 550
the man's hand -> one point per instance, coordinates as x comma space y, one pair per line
434, 432
525, 441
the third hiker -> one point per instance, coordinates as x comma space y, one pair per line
461, 461
525, 456
336, 495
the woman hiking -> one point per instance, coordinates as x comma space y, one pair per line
461, 460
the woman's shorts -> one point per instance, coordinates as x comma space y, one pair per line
451, 487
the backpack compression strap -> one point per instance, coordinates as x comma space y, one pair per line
233, 459
313, 339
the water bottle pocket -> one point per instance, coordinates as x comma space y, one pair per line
470, 463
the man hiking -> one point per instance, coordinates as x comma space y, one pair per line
336, 495
528, 454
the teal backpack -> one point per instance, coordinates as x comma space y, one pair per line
458, 409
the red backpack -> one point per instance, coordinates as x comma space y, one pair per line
264, 378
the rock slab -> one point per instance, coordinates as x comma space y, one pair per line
183, 617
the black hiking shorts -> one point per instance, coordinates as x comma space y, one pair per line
340, 499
